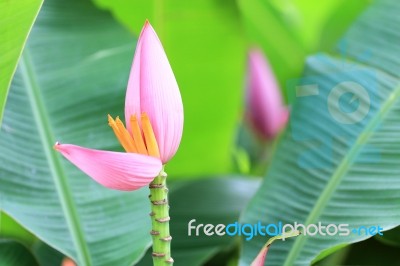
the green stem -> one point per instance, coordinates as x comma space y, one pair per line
160, 221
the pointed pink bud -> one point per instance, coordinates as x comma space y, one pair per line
115, 170
152, 89
260, 259
265, 108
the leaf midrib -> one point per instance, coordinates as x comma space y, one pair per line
59, 177
340, 172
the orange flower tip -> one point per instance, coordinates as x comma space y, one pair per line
110, 120
146, 22
133, 118
145, 116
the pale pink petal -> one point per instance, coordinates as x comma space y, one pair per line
132, 98
115, 170
264, 101
260, 259
159, 93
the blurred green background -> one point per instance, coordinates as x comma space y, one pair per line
60, 82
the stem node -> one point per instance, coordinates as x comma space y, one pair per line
163, 220
154, 233
160, 221
166, 239
158, 255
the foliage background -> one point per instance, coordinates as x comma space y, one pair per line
73, 71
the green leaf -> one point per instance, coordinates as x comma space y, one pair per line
205, 46
266, 28
16, 20
289, 30
337, 24
371, 252
46, 255
15, 254
73, 72
9, 228
217, 200
330, 170
391, 237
